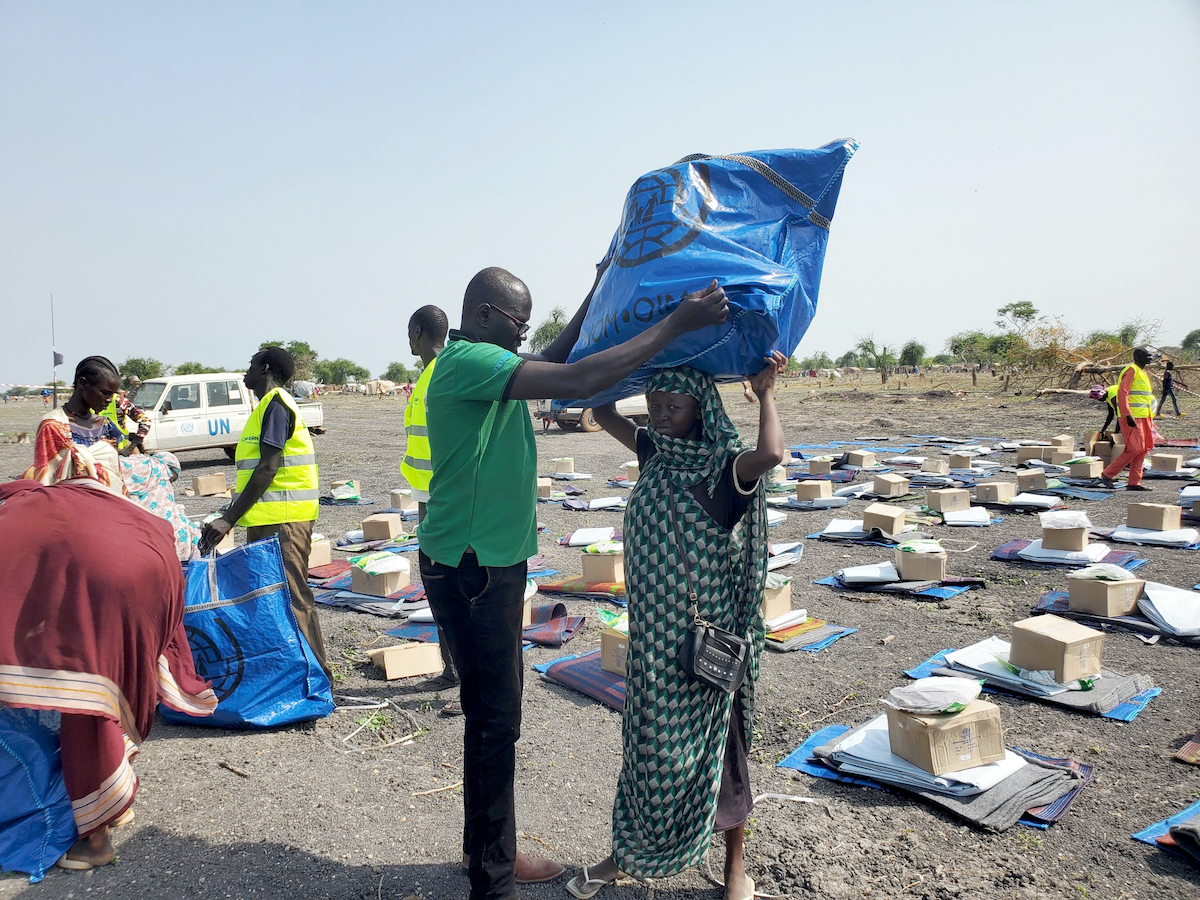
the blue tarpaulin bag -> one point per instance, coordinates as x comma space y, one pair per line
757, 222
246, 641
36, 822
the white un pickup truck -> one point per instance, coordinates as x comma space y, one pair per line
203, 412
573, 418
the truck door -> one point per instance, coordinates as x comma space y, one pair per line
227, 412
182, 418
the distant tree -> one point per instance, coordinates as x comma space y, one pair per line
1128, 335
194, 368
1101, 339
551, 328
399, 373
18, 391
143, 367
879, 355
912, 353
336, 371
970, 347
847, 360
942, 359
1018, 316
1191, 343
818, 360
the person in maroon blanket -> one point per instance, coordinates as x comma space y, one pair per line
94, 634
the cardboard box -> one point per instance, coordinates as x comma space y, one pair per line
820, 466
544, 487
778, 475
407, 660
888, 519
614, 651
1093, 436
377, 585
1064, 538
382, 526
320, 553
1166, 462
813, 490
403, 500
1066, 441
1033, 480
921, 566
948, 743
777, 601
225, 544
527, 613
1052, 643
890, 485
936, 466
1090, 469
1102, 449
996, 491
632, 471
1103, 598
948, 500
1056, 455
564, 465
603, 568
208, 485
1155, 516
961, 460
1024, 453
860, 458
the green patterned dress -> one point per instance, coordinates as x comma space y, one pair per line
673, 729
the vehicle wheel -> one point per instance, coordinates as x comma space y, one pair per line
588, 421
231, 452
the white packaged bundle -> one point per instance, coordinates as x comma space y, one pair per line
934, 695
1064, 518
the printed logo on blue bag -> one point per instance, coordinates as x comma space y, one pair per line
218, 658
663, 214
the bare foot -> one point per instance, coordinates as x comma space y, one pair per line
89, 852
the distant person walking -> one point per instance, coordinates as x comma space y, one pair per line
1135, 399
1168, 390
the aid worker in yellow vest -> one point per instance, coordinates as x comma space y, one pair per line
276, 491
1135, 415
427, 331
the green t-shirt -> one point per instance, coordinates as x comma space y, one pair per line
483, 494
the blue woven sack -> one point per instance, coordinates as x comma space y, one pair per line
246, 641
757, 222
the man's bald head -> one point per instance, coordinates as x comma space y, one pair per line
496, 287
496, 308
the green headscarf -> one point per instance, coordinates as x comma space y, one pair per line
694, 462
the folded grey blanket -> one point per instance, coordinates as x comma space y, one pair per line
1110, 691
1187, 837
997, 808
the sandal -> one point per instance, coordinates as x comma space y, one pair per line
587, 888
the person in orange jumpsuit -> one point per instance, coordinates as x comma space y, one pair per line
1135, 406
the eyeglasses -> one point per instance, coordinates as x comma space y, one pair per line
522, 326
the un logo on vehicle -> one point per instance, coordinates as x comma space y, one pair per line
663, 215
186, 427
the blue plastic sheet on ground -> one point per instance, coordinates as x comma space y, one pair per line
36, 822
1158, 829
245, 640
935, 593
757, 222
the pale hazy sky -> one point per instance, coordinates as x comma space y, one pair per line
189, 179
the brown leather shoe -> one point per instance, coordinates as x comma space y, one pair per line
530, 869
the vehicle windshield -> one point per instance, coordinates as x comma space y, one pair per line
147, 396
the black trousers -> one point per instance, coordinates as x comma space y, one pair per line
479, 610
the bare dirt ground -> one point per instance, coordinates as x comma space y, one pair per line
311, 822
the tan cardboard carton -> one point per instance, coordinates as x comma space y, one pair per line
1103, 598
777, 601
226, 543
1090, 469
544, 487
1166, 462
1057, 455
377, 585
890, 485
921, 566
208, 485
382, 526
888, 519
778, 475
1155, 516
936, 466
633, 471
614, 650
603, 568
960, 460
1024, 453
320, 553
1052, 643
820, 466
564, 465
1064, 538
995, 491
403, 500
860, 458
813, 490
948, 743
948, 500
1065, 441
527, 613
1033, 480
407, 660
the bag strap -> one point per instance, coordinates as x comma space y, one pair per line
693, 598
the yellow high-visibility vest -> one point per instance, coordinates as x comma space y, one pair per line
416, 466
117, 419
293, 495
1141, 392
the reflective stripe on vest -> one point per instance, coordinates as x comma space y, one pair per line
292, 495
416, 467
1141, 392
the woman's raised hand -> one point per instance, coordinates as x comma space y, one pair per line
765, 379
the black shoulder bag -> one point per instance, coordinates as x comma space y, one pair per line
710, 655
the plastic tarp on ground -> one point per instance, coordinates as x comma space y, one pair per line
757, 222
36, 822
246, 641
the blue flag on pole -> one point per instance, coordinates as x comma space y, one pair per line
58, 358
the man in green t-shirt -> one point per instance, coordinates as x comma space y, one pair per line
480, 528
